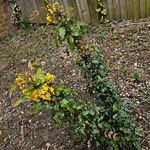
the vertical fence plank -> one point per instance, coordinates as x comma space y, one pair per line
71, 8
73, 4
27, 7
111, 9
142, 8
117, 9
84, 10
66, 2
123, 9
41, 8
148, 8
130, 11
92, 8
136, 8
79, 9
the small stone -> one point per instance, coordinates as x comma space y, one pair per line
22, 112
43, 63
24, 60
135, 64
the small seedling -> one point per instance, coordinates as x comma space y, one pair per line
101, 36
114, 37
135, 77
26, 24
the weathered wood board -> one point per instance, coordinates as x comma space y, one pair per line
86, 9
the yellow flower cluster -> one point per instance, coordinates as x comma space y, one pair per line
50, 78
52, 9
44, 92
20, 81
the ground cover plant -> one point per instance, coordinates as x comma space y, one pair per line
108, 125
28, 125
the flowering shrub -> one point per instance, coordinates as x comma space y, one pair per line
108, 123
35, 85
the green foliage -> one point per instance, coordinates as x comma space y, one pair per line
70, 32
135, 77
101, 35
18, 102
114, 37
92, 122
26, 24
116, 114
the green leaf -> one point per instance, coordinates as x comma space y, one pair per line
57, 118
97, 49
38, 77
70, 39
95, 61
98, 10
76, 34
18, 102
62, 32
64, 103
85, 113
37, 107
95, 131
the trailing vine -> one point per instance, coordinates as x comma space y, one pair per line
15, 12
101, 10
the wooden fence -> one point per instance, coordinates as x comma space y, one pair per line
86, 9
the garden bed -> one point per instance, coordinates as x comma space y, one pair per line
125, 46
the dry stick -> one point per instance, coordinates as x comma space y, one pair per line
22, 132
145, 139
142, 102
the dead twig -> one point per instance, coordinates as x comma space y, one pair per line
145, 139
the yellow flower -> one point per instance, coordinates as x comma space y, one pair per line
47, 96
51, 11
25, 91
42, 92
50, 78
20, 81
56, 4
45, 87
35, 95
49, 19
54, 8
51, 89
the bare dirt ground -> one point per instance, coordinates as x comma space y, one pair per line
126, 49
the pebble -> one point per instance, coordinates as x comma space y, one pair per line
30, 120
24, 60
